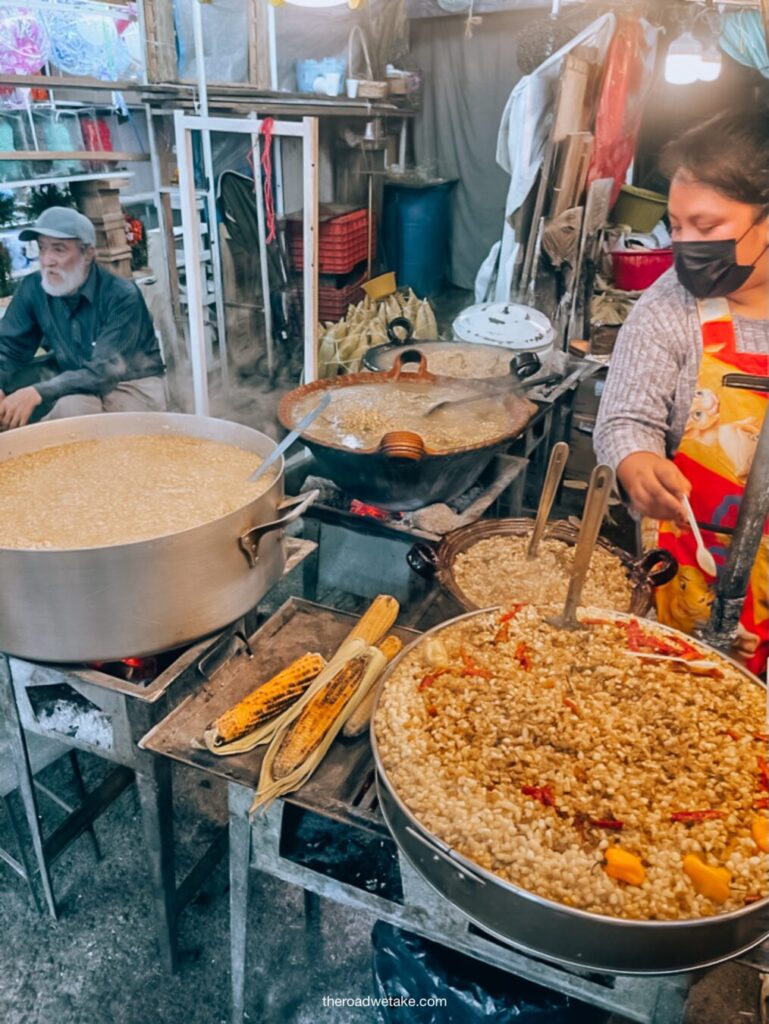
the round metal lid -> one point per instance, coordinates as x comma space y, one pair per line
522, 328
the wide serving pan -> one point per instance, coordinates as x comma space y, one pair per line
647, 573
551, 930
401, 472
125, 600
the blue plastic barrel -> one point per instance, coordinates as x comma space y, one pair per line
416, 229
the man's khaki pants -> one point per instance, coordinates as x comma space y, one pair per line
144, 395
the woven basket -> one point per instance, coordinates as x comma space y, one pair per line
368, 88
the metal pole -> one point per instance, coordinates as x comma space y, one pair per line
311, 193
191, 237
208, 170
256, 152
734, 578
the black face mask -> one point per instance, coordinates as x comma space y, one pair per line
709, 270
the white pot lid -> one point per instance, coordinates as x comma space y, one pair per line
522, 328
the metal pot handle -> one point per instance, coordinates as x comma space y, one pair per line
422, 559
446, 854
250, 540
405, 324
658, 566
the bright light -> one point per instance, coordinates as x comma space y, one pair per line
710, 65
683, 63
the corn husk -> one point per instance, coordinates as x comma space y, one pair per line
269, 788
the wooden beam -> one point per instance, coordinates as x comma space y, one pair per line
160, 42
67, 82
75, 154
258, 44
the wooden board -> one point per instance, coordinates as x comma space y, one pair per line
258, 44
573, 162
75, 154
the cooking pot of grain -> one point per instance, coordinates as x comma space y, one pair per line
594, 797
484, 564
378, 443
130, 533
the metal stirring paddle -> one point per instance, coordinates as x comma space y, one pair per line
555, 467
601, 481
289, 439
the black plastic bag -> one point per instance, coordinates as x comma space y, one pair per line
409, 968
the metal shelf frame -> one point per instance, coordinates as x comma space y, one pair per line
306, 131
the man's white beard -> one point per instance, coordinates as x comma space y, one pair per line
67, 282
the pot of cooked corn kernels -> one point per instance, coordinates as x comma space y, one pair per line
130, 533
597, 797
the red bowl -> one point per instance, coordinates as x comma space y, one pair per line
636, 270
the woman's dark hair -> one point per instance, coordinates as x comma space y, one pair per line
728, 153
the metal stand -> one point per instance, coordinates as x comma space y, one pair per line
131, 711
422, 911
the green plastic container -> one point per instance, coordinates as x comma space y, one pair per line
639, 208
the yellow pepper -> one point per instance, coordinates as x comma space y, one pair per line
624, 866
711, 882
760, 832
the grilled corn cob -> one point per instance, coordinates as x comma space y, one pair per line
376, 620
359, 719
307, 732
268, 700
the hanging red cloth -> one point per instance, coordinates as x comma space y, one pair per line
627, 78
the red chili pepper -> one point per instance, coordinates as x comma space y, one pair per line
762, 804
638, 640
544, 794
473, 669
571, 705
481, 673
432, 711
731, 734
763, 769
607, 823
503, 634
429, 679
688, 816
508, 615
752, 897
522, 656
761, 737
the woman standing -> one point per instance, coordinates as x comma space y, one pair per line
687, 389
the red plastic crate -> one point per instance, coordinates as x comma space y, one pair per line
342, 243
333, 302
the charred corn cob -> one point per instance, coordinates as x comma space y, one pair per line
307, 732
359, 719
268, 700
376, 620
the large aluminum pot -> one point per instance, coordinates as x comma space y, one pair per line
551, 930
102, 604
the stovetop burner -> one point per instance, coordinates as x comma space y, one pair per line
137, 670
498, 491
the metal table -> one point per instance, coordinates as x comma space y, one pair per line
341, 795
123, 712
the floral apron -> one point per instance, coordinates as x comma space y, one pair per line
715, 455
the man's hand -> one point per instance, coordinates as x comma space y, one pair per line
16, 408
654, 485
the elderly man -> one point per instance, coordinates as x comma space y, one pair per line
96, 324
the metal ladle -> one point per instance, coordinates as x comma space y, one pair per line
555, 467
289, 439
601, 482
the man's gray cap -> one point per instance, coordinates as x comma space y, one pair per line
61, 222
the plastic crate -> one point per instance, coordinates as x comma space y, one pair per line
333, 301
342, 242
